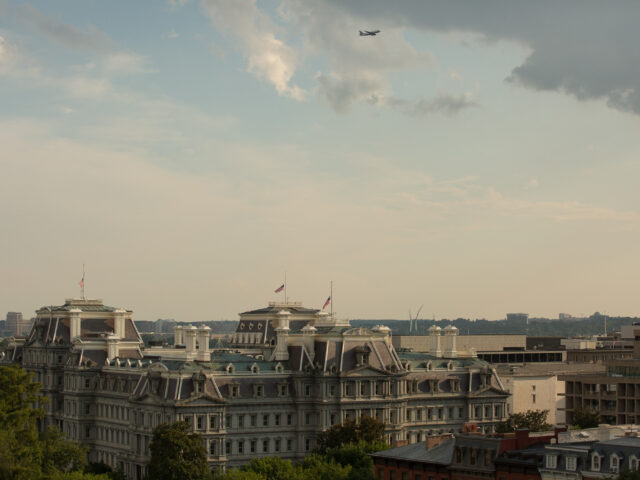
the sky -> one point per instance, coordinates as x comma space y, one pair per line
475, 157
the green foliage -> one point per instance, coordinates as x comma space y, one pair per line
357, 456
25, 454
533, 420
273, 468
318, 467
629, 475
235, 474
177, 454
368, 430
585, 418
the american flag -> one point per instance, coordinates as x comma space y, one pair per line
326, 303
280, 288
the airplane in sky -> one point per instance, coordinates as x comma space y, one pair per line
368, 33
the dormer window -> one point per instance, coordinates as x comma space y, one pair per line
230, 368
283, 390
258, 391
614, 463
412, 386
454, 384
234, 390
633, 462
255, 368
434, 385
551, 461
279, 368
362, 355
571, 463
595, 462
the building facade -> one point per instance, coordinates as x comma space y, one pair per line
290, 373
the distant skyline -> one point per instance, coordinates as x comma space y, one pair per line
475, 157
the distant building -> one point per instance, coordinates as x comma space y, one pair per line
521, 318
565, 316
16, 325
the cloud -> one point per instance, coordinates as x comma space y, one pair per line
587, 49
532, 184
64, 33
256, 35
342, 90
173, 34
124, 62
447, 104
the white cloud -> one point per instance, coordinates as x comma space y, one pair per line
256, 35
125, 62
173, 34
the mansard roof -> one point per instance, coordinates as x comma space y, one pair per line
420, 360
80, 304
277, 308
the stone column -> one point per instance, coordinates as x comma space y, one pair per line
118, 323
74, 323
434, 341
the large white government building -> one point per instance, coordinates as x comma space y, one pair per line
290, 373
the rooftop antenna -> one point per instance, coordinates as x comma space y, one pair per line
81, 283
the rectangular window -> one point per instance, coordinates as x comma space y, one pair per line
265, 446
276, 419
227, 421
253, 446
289, 445
277, 445
240, 421
332, 390
571, 463
289, 419
307, 444
551, 461
265, 420
200, 422
241, 446
227, 448
212, 448
347, 389
419, 414
451, 412
307, 390
253, 420
404, 475
212, 421
408, 415
307, 419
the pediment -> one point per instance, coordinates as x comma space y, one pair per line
365, 371
202, 400
488, 392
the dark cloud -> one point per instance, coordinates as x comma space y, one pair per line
443, 103
585, 48
64, 33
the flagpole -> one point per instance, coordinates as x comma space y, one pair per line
331, 297
83, 297
285, 287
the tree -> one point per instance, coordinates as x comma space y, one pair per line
177, 454
273, 468
532, 420
25, 454
357, 456
585, 418
629, 475
369, 430
318, 467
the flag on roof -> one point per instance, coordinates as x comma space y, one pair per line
326, 303
280, 288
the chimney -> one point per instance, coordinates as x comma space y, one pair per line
118, 323
204, 333
308, 337
74, 323
190, 339
434, 440
281, 353
450, 334
178, 335
434, 341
